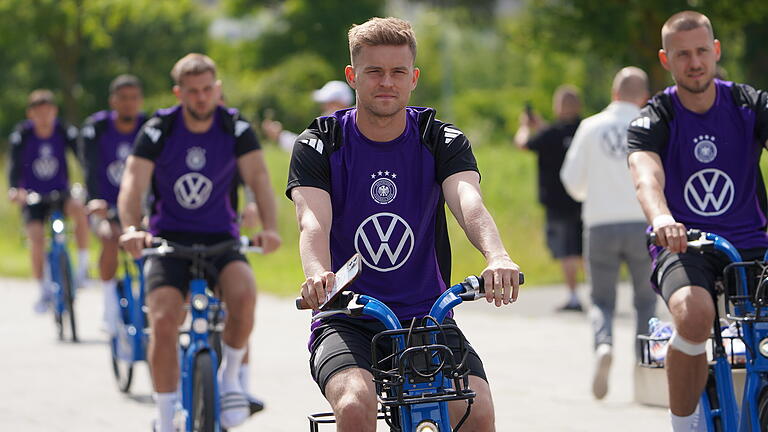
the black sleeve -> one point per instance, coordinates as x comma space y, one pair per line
649, 131
453, 153
245, 138
310, 162
149, 141
761, 120
15, 162
537, 140
757, 100
90, 156
71, 136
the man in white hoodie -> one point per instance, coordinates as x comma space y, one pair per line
595, 172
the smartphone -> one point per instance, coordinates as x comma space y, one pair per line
528, 109
344, 276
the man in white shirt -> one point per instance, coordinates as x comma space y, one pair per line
595, 172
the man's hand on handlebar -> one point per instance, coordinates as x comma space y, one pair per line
670, 234
501, 278
267, 240
17, 195
133, 241
315, 289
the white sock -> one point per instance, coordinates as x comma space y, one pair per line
43, 284
574, 299
245, 377
166, 410
688, 423
82, 263
231, 362
111, 308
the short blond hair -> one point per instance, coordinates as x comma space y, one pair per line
381, 31
192, 64
40, 97
684, 21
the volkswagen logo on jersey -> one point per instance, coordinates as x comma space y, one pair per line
192, 190
123, 150
385, 241
709, 192
614, 142
705, 149
196, 158
383, 189
45, 166
115, 172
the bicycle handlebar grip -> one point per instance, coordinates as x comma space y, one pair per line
520, 279
691, 235
301, 304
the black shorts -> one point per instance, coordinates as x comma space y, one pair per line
342, 343
675, 271
41, 211
162, 271
564, 235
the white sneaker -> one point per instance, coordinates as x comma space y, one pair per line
43, 303
603, 359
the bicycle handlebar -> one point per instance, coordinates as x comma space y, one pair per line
470, 293
163, 247
691, 235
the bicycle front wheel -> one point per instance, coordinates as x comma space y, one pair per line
122, 362
709, 403
762, 409
68, 290
203, 402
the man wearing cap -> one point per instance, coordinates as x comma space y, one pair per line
106, 141
38, 166
333, 96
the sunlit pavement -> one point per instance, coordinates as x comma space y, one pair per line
539, 364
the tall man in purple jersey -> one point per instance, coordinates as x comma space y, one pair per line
191, 155
694, 159
38, 165
106, 140
374, 179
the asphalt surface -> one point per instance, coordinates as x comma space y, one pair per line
539, 364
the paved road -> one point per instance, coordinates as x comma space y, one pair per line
539, 364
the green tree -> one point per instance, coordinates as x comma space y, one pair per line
78, 46
303, 25
629, 31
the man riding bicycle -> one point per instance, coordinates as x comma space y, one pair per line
191, 155
373, 180
106, 142
694, 158
38, 164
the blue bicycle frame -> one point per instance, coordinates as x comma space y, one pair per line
198, 342
420, 412
131, 346
754, 332
58, 249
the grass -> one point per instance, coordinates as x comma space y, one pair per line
509, 189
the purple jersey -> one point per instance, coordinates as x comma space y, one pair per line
105, 150
711, 160
387, 202
194, 173
40, 164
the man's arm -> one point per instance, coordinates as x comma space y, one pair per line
253, 171
134, 184
648, 177
314, 214
462, 194
574, 171
15, 166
